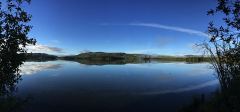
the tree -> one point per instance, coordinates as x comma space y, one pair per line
14, 31
224, 51
224, 44
14, 38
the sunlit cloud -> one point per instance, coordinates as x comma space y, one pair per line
32, 68
40, 48
172, 28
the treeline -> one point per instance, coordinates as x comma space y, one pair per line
40, 57
187, 58
103, 57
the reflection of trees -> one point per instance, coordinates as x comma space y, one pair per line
102, 62
9, 77
13, 103
109, 62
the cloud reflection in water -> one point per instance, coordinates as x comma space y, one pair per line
30, 68
189, 88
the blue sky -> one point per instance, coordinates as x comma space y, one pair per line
168, 27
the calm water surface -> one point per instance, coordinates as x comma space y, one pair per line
63, 86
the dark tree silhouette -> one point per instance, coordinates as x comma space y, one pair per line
14, 31
224, 49
224, 44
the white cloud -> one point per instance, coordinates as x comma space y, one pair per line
40, 48
173, 28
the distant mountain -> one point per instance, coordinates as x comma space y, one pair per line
40, 57
103, 56
112, 58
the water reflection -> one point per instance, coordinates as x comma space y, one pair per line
114, 87
9, 78
110, 87
30, 68
110, 62
185, 89
123, 62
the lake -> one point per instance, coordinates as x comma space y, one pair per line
63, 86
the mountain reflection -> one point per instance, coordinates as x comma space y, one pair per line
30, 68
